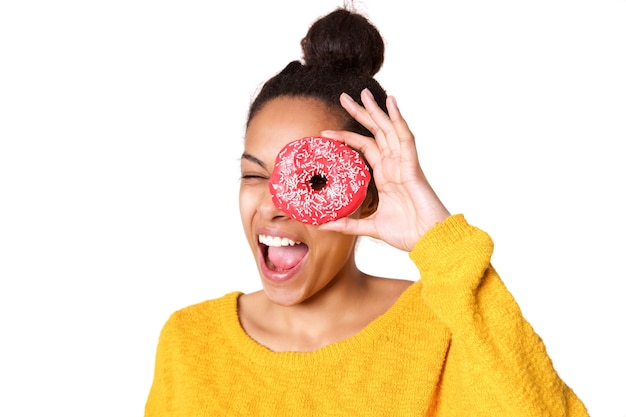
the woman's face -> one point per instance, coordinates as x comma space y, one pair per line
295, 261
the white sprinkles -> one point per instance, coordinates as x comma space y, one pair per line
346, 173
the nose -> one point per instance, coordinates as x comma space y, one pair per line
267, 210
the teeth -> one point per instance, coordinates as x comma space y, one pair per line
277, 241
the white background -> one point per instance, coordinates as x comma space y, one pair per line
121, 125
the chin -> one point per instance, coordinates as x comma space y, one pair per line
284, 297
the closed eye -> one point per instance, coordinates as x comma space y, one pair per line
251, 177
253, 169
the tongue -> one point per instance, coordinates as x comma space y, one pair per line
286, 257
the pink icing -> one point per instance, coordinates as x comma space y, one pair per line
346, 173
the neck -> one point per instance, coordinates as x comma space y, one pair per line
328, 305
332, 314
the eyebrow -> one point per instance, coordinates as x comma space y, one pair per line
253, 159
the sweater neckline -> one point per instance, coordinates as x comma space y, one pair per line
363, 340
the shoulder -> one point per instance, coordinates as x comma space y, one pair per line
394, 297
409, 318
387, 291
204, 316
391, 287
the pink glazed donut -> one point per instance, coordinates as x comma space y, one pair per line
317, 180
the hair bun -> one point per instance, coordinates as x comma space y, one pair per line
344, 41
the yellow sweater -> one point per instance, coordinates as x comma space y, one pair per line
454, 344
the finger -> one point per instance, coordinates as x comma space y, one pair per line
405, 136
356, 111
365, 145
362, 116
384, 126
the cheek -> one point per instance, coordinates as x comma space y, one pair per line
249, 200
336, 248
244, 204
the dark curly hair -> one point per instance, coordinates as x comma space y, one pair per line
342, 51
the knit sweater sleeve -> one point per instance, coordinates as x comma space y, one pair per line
496, 364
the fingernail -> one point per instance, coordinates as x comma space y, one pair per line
369, 93
393, 101
347, 96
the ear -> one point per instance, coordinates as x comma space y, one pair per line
370, 204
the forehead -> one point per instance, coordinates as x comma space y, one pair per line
285, 119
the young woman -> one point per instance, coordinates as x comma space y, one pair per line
322, 338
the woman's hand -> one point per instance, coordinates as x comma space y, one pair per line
408, 206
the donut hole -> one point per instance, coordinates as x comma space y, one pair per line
318, 182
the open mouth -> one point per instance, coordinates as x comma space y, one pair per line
280, 253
